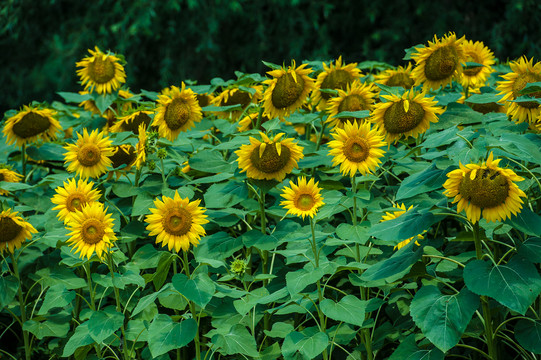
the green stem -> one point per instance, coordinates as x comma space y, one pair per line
320, 135
86, 267
22, 305
162, 169
322, 321
259, 118
23, 160
118, 307
192, 310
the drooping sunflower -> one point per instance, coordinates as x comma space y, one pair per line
356, 97
89, 156
393, 215
356, 147
91, 231
8, 176
269, 159
30, 124
523, 71
396, 77
477, 52
485, 188
14, 230
140, 148
287, 90
439, 63
406, 115
132, 121
100, 72
72, 197
302, 199
177, 111
123, 155
236, 96
333, 77
176, 222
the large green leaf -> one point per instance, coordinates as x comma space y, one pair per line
164, 334
408, 350
356, 234
401, 261
236, 341
531, 249
349, 309
409, 224
57, 296
218, 246
199, 289
104, 323
528, 334
211, 162
515, 284
8, 289
60, 275
80, 337
224, 195
443, 318
55, 325
297, 281
526, 221
145, 301
310, 347
427, 180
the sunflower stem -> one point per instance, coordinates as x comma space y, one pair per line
23, 160
259, 118
162, 169
118, 307
322, 321
192, 309
320, 135
22, 305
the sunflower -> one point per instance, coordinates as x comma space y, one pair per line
522, 73
236, 96
177, 111
269, 159
333, 77
356, 147
123, 155
14, 230
394, 215
287, 91
91, 230
177, 222
31, 123
249, 121
407, 115
140, 148
8, 175
396, 77
356, 97
303, 198
89, 157
477, 52
439, 63
485, 187
100, 72
73, 196
132, 121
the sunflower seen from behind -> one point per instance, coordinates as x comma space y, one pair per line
356, 148
401, 76
409, 114
393, 215
14, 230
101, 73
8, 175
72, 197
485, 189
89, 156
356, 97
477, 52
30, 124
302, 199
132, 121
268, 159
177, 222
122, 159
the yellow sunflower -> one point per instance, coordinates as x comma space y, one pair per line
73, 196
396, 77
406, 115
333, 77
236, 96
89, 156
30, 124
356, 97
394, 215
14, 230
204, 99
356, 147
177, 222
140, 148
100, 72
439, 63
485, 187
523, 71
177, 111
8, 176
269, 159
91, 230
287, 91
132, 121
302, 199
477, 52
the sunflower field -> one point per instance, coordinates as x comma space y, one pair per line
322, 210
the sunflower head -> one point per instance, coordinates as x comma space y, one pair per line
89, 156
269, 159
356, 97
100, 72
72, 197
302, 199
14, 230
393, 215
478, 53
485, 188
238, 266
237, 96
132, 121
396, 77
30, 124
8, 175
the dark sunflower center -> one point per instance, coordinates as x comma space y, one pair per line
2, 177
356, 149
442, 63
89, 155
473, 57
239, 97
177, 222
203, 99
485, 108
30, 125
336, 79
9, 229
75, 202
270, 162
177, 113
352, 103
401, 79
101, 70
305, 202
287, 91
92, 231
123, 156
520, 82
488, 189
137, 120
397, 121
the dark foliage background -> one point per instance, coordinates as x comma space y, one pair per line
166, 42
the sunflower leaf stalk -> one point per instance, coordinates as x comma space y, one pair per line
22, 306
192, 308
125, 348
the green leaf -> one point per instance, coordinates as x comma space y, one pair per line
423, 182
104, 101
409, 224
162, 271
147, 257
81, 337
57, 296
279, 330
145, 301
408, 350
401, 261
484, 98
443, 318
143, 202
48, 152
199, 290
531, 249
297, 281
165, 335
355, 114
307, 346
56, 325
271, 65
225, 195
211, 162
531, 88
526, 221
349, 309
8, 290
218, 246
356, 234
12, 186
74, 97
236, 341
104, 323
65, 276
256, 239
528, 334
515, 284
457, 114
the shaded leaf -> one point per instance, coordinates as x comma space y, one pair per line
164, 334
349, 309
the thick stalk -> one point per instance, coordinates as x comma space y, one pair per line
322, 320
23, 160
192, 310
118, 308
22, 305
